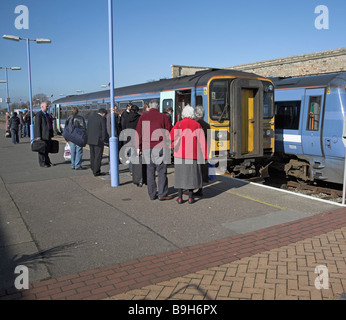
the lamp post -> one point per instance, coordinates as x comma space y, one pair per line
38, 40
113, 141
7, 91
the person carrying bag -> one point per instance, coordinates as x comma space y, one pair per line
75, 134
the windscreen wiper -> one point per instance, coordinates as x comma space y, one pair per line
223, 111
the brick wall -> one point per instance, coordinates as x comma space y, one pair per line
302, 65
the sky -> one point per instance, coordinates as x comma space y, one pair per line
152, 35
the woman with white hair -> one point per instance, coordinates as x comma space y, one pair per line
190, 151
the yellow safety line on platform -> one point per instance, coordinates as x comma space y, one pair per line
245, 197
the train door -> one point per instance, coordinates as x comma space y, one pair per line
177, 100
167, 99
183, 98
247, 118
57, 118
312, 121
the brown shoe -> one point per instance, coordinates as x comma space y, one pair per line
166, 198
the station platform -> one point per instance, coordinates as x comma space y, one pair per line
82, 239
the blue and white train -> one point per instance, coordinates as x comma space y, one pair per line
309, 126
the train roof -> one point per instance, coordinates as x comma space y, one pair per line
200, 78
310, 81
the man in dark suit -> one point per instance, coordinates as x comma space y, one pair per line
97, 133
43, 130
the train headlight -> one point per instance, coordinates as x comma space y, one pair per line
268, 132
219, 135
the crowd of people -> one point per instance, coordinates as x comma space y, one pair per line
17, 125
155, 140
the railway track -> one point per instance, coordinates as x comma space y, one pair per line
322, 191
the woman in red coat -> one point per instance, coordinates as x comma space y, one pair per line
190, 151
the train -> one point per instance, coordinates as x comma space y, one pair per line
309, 123
239, 108
290, 125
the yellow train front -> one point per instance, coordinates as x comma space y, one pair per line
241, 116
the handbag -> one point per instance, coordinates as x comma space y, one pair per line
76, 135
67, 152
39, 146
211, 171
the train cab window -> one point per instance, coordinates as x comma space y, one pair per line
219, 100
287, 115
314, 113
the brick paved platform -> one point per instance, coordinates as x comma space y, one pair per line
270, 264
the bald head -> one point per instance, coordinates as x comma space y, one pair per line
44, 106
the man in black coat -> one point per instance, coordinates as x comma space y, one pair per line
97, 134
43, 130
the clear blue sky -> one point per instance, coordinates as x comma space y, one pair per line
151, 35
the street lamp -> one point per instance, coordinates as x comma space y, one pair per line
113, 140
38, 40
7, 92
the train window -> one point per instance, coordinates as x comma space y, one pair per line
167, 103
219, 101
314, 113
122, 105
287, 115
199, 101
138, 103
268, 105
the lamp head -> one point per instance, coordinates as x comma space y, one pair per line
8, 37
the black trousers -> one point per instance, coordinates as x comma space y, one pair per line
43, 158
96, 152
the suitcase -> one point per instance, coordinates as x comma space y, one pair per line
53, 146
139, 172
38, 146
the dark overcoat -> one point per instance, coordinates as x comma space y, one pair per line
42, 129
96, 129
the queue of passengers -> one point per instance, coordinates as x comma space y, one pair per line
17, 125
190, 166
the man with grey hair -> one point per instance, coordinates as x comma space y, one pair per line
153, 135
43, 130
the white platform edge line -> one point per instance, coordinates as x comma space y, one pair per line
286, 191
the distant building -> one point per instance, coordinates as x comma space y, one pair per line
302, 65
